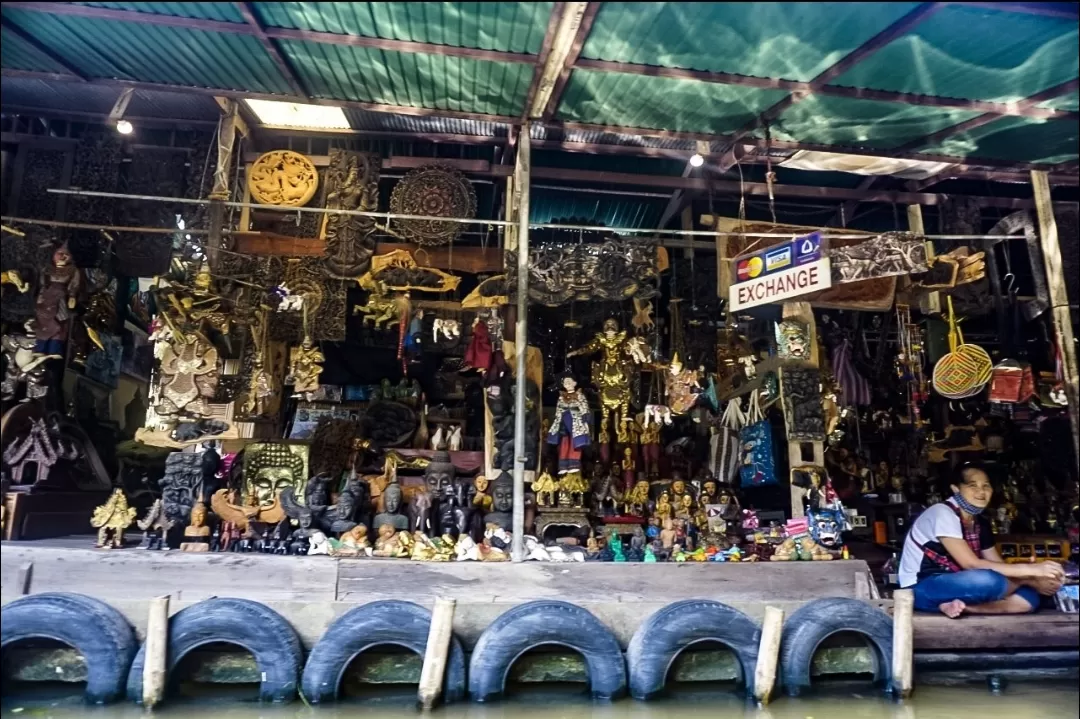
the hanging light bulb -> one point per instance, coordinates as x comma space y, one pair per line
696, 160
124, 127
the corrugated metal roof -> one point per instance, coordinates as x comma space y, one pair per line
609, 210
153, 53
99, 99
221, 11
18, 54
974, 53
389, 122
862, 123
1015, 138
503, 26
397, 78
605, 98
793, 41
599, 137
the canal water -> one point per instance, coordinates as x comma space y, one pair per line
1042, 700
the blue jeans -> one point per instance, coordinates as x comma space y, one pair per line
971, 586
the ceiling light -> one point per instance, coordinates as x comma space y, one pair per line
292, 114
696, 160
124, 127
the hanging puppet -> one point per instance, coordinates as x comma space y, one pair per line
572, 425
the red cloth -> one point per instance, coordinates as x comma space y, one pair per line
478, 353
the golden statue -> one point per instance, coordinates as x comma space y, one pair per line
196, 534
387, 544
243, 515
353, 543
663, 507
573, 489
545, 488
111, 519
613, 375
261, 384
271, 467
283, 177
305, 366
637, 499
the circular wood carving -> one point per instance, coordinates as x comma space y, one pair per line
432, 191
283, 177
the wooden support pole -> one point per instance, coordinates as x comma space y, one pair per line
903, 643
768, 653
438, 647
521, 337
1059, 299
157, 649
915, 225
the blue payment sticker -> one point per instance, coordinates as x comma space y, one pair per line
807, 248
778, 259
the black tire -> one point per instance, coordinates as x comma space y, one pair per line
91, 627
661, 637
386, 622
253, 626
546, 622
813, 622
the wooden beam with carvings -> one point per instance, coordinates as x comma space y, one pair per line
473, 260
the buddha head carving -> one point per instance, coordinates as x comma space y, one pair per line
502, 493
439, 474
391, 497
270, 468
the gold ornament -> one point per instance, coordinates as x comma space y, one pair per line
111, 519
283, 177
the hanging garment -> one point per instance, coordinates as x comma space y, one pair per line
853, 386
758, 466
478, 354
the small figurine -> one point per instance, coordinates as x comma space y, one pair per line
387, 543
546, 489
352, 543
636, 553
592, 549
792, 340
111, 519
650, 555
572, 425
668, 535
391, 514
438, 440
573, 490
629, 468
454, 441
683, 386
318, 544
685, 510
423, 549
615, 545
154, 526
24, 365
664, 510
637, 499
466, 550
305, 366
55, 301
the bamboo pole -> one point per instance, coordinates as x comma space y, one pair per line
903, 643
768, 653
521, 338
157, 649
1059, 300
438, 647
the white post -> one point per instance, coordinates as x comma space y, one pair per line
438, 647
521, 342
768, 653
903, 643
157, 649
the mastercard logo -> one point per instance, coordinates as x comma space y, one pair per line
749, 269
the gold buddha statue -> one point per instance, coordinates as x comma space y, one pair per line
271, 467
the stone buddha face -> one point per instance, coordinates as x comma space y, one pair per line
392, 499
502, 496
439, 475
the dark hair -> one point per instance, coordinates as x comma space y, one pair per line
959, 473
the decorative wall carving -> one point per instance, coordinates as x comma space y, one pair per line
352, 183
283, 177
433, 191
614, 269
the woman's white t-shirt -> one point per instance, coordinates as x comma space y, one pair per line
938, 521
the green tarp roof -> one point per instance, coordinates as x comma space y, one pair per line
479, 60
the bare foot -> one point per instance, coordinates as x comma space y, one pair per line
952, 609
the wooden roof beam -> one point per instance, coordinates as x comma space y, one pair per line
540, 70
807, 88
573, 52
1034, 100
896, 30
247, 10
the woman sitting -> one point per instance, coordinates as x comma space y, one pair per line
950, 562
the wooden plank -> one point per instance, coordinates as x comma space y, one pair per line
1027, 631
473, 260
134, 574
572, 55
1050, 243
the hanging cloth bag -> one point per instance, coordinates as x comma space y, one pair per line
757, 467
724, 443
